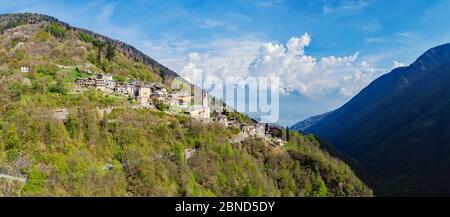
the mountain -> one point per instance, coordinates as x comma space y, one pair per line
8, 21
61, 135
302, 125
398, 127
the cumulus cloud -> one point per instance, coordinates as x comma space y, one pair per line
317, 84
309, 75
220, 59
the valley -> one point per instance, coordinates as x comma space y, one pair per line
397, 127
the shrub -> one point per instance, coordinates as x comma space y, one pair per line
57, 88
162, 106
56, 30
85, 37
41, 35
47, 69
12, 139
35, 182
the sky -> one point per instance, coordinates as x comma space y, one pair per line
323, 51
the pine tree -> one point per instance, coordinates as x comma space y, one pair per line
12, 138
100, 45
110, 54
287, 134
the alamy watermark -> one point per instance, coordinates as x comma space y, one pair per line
257, 96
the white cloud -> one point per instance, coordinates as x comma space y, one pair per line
106, 12
210, 23
270, 3
371, 26
375, 39
309, 75
219, 58
397, 64
215, 24
407, 35
345, 8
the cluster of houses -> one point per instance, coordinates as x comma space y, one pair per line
262, 131
147, 93
259, 130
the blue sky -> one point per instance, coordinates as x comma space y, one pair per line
352, 41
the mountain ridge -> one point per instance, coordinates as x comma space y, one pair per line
397, 125
304, 124
12, 20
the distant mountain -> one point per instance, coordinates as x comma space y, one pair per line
398, 127
302, 125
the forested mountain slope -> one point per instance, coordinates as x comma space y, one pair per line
398, 127
106, 146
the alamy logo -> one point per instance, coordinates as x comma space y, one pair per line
257, 96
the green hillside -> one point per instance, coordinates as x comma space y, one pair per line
106, 146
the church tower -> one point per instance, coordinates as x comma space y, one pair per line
205, 99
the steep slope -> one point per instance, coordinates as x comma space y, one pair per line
398, 127
8, 21
106, 146
305, 124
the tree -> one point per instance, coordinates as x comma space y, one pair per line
43, 84
319, 188
179, 153
287, 134
35, 182
100, 45
110, 54
85, 37
12, 139
56, 30
59, 87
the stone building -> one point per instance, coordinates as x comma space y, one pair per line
200, 111
222, 119
260, 129
61, 114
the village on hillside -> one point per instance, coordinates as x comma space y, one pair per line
157, 96
150, 95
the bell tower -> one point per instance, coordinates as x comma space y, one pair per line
204, 100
